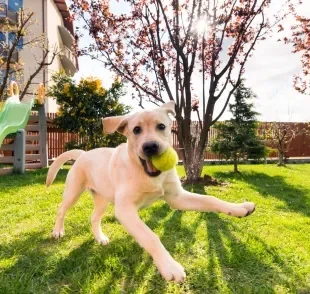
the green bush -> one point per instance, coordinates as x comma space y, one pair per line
82, 107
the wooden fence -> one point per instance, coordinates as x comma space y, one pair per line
300, 146
58, 138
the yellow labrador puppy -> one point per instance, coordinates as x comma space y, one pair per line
126, 177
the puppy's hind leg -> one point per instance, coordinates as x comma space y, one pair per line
74, 188
100, 207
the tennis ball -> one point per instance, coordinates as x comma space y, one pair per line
166, 160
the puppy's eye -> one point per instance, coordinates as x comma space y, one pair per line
137, 130
161, 127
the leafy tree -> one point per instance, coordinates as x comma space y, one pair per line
162, 47
83, 105
237, 138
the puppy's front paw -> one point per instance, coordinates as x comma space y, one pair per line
170, 269
102, 239
58, 233
241, 210
249, 208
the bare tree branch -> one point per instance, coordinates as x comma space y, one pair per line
41, 65
26, 20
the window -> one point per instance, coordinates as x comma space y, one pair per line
11, 39
17, 77
15, 5
2, 74
2, 11
8, 38
2, 39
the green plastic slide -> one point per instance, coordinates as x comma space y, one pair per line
13, 116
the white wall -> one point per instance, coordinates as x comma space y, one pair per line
52, 19
28, 55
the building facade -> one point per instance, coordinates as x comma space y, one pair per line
52, 21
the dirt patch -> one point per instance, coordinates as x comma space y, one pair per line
6, 171
205, 180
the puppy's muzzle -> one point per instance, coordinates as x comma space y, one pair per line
150, 149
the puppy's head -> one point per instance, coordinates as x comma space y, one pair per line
148, 133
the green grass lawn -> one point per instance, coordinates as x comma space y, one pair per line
2, 165
268, 252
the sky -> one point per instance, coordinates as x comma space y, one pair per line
269, 73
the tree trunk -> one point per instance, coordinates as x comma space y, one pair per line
193, 149
281, 154
235, 164
92, 142
193, 163
281, 159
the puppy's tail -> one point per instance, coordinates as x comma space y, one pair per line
60, 160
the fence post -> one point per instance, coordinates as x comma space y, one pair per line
20, 152
43, 136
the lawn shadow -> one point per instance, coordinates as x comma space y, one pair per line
247, 269
175, 235
234, 262
28, 262
92, 263
35, 267
297, 199
122, 265
13, 182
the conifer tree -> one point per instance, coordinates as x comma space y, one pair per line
237, 138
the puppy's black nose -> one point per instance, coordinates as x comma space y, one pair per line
150, 148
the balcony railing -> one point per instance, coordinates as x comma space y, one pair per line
68, 60
69, 54
66, 36
8, 13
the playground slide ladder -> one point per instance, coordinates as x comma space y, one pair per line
36, 135
36, 139
35, 149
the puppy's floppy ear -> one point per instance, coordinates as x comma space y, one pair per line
115, 123
169, 107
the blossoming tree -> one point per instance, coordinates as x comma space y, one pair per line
181, 50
